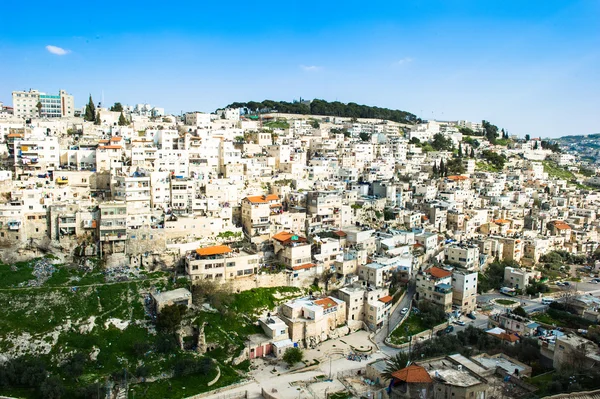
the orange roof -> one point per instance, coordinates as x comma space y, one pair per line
283, 236
116, 138
386, 299
305, 266
214, 250
438, 273
506, 337
457, 177
326, 303
11, 135
275, 205
262, 199
561, 225
340, 233
413, 374
102, 141
501, 221
111, 147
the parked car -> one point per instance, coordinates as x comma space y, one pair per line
449, 329
471, 316
404, 310
441, 332
593, 281
596, 280
459, 322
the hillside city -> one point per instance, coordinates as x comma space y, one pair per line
305, 249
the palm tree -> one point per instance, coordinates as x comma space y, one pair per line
39, 108
395, 363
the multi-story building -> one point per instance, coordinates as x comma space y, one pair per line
464, 290
310, 319
465, 255
257, 212
435, 285
112, 227
220, 263
33, 103
520, 278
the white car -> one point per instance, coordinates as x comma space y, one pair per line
459, 322
404, 310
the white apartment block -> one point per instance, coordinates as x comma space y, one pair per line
25, 104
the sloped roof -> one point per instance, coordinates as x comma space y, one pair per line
413, 374
326, 303
501, 221
386, 299
457, 177
262, 199
561, 225
438, 273
304, 266
214, 250
340, 233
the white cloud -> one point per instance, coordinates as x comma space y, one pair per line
57, 50
404, 60
310, 68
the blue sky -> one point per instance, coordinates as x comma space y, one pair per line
528, 66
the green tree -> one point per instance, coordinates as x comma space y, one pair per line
39, 108
52, 388
90, 111
293, 356
519, 311
460, 150
395, 363
97, 120
455, 166
441, 143
122, 120
117, 107
365, 136
169, 319
472, 152
527, 137
326, 278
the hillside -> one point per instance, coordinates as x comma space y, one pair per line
325, 108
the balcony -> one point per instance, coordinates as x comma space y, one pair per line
116, 236
89, 224
14, 226
443, 289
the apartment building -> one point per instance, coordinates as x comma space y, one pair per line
33, 103
520, 278
220, 263
112, 227
465, 255
464, 290
294, 252
257, 212
310, 319
435, 285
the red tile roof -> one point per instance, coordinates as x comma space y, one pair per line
340, 233
438, 273
561, 225
326, 303
413, 374
305, 266
386, 299
457, 177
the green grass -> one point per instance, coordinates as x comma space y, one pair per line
556, 171
505, 302
542, 382
180, 387
547, 319
415, 325
503, 142
280, 124
257, 299
486, 167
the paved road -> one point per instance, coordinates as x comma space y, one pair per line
393, 322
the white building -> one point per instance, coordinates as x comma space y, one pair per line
25, 104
